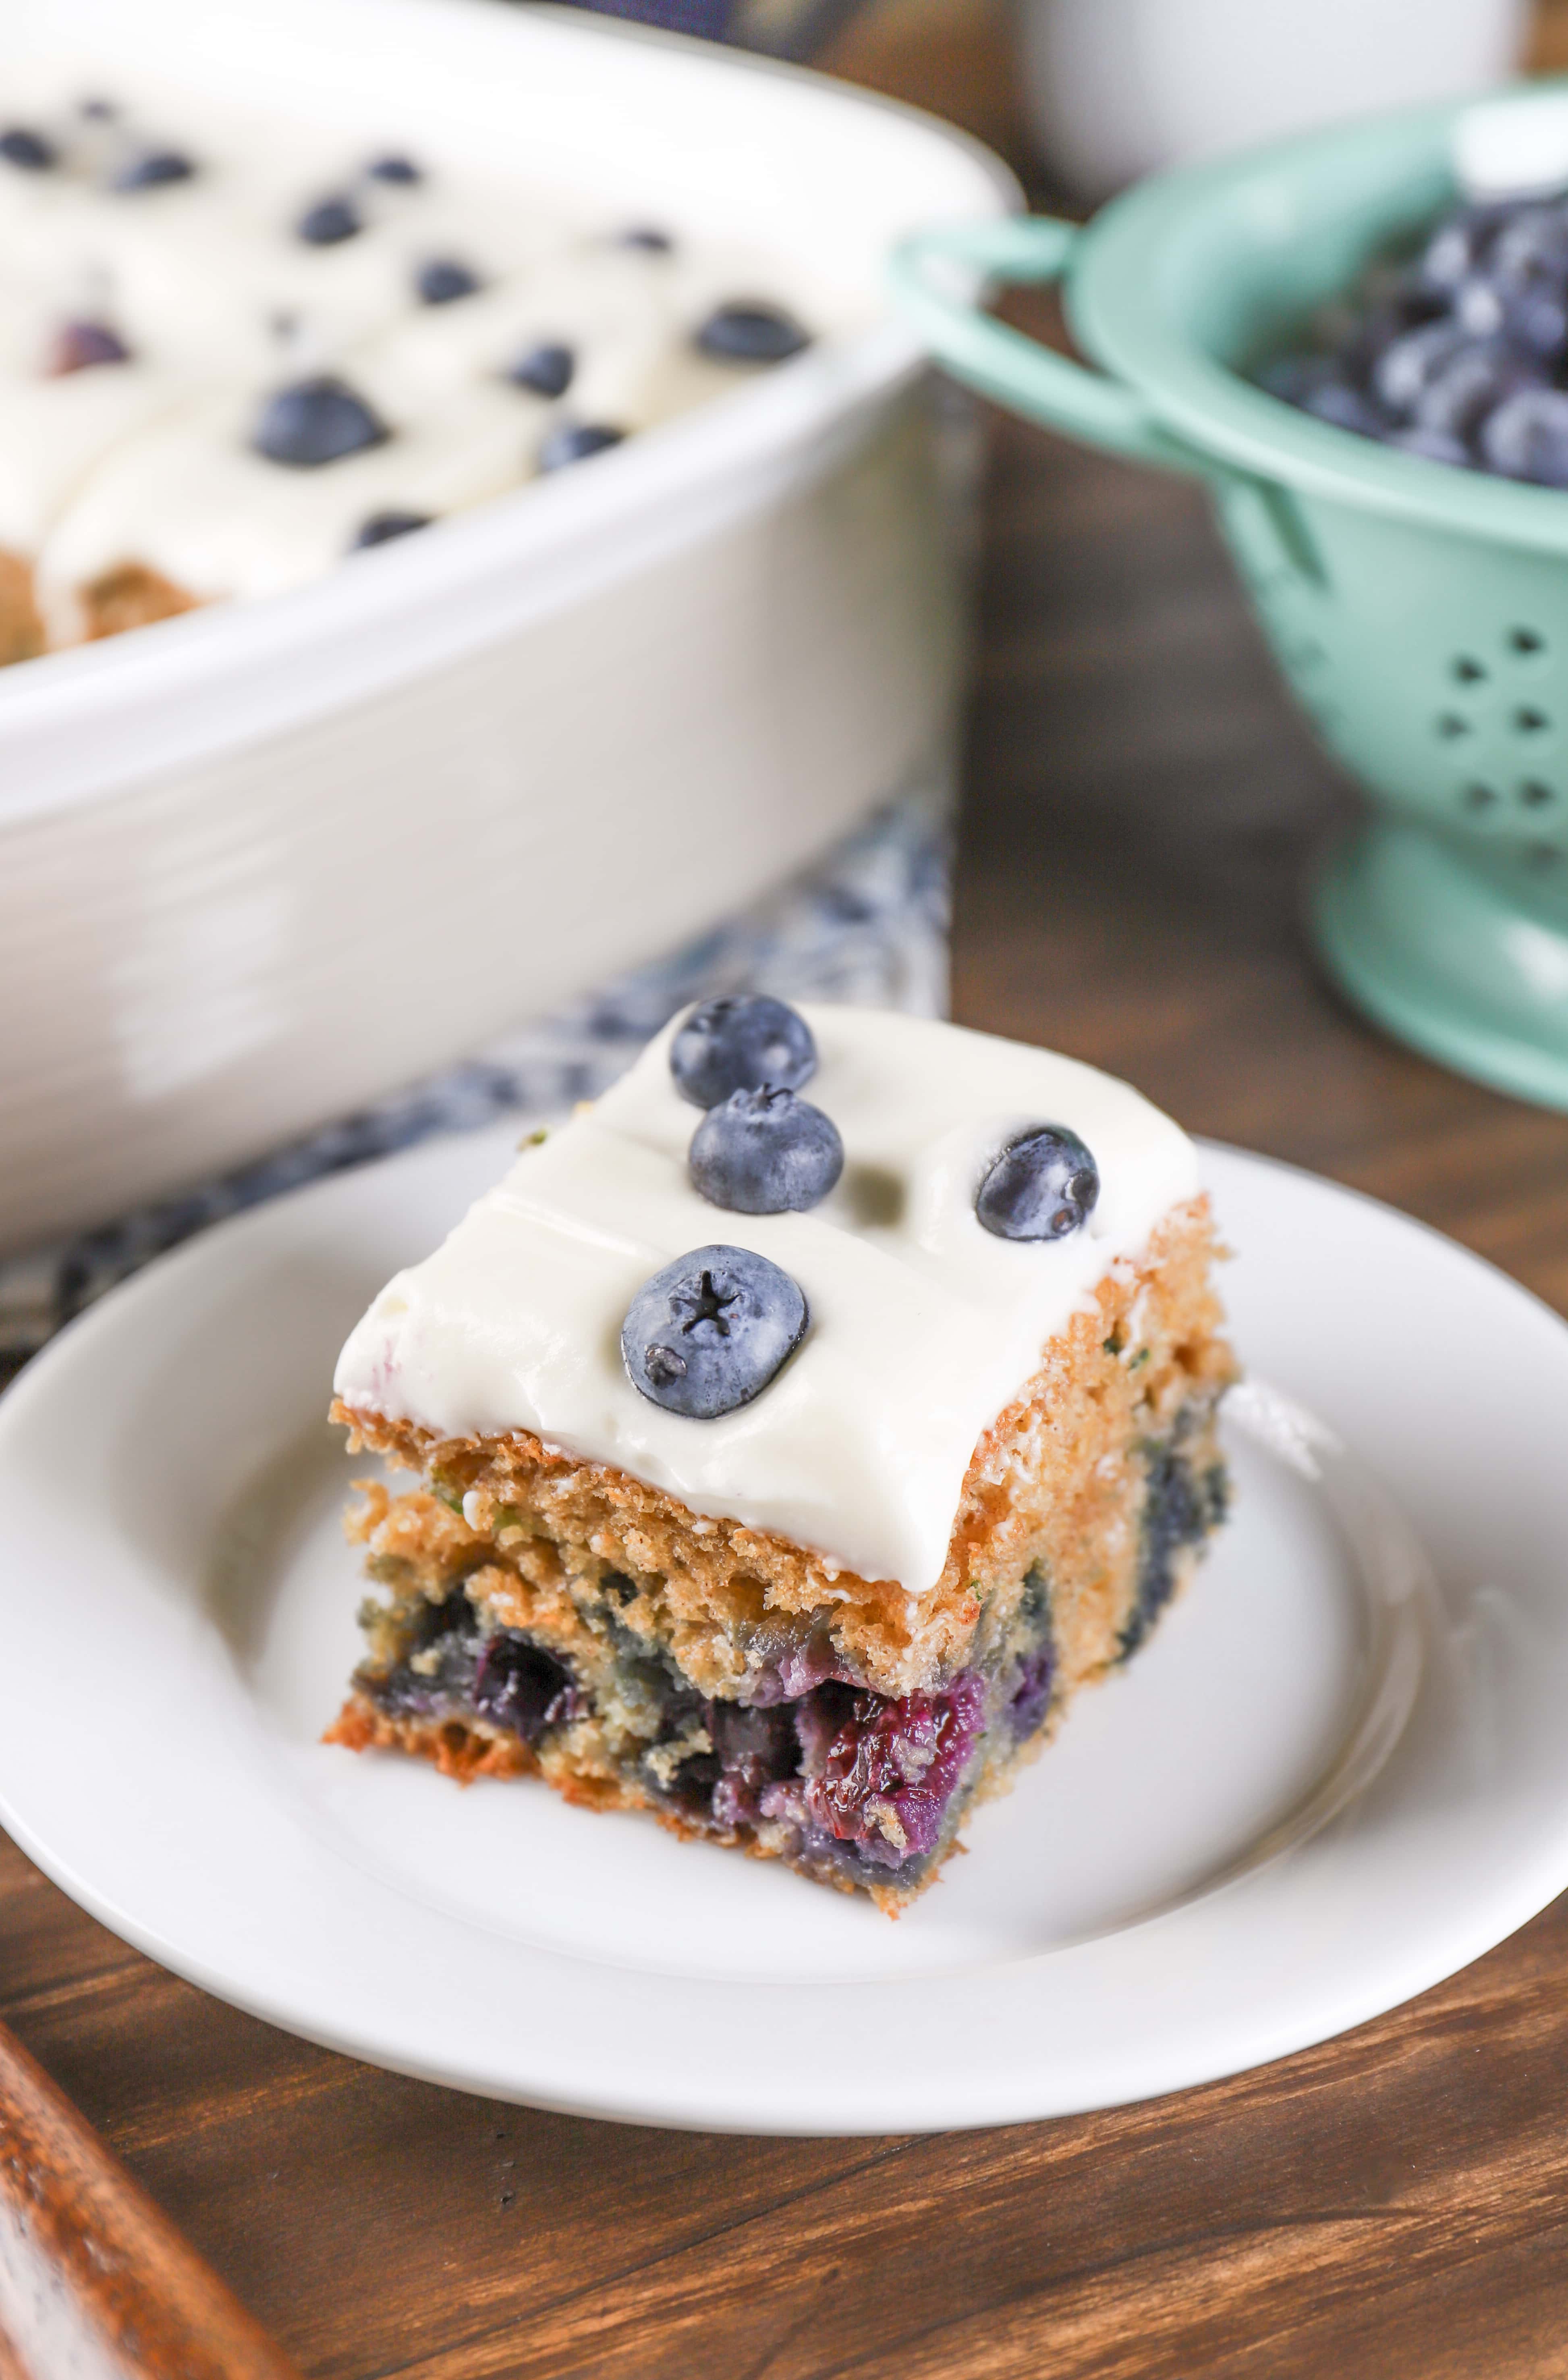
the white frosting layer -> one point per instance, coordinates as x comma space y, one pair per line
149, 463
923, 1325
192, 499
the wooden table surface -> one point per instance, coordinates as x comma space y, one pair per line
1140, 803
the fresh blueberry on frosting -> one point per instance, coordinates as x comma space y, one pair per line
328, 223
708, 1333
382, 528
546, 370
746, 332
399, 170
573, 441
766, 1152
1043, 1186
152, 169
442, 279
741, 1042
78, 346
316, 421
19, 145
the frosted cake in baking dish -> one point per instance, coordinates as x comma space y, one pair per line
799, 1428
231, 354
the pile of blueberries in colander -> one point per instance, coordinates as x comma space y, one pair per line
1461, 355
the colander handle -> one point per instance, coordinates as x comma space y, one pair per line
1007, 364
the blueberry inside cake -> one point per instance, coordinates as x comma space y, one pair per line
797, 1430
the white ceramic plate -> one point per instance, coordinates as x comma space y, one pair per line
1330, 1781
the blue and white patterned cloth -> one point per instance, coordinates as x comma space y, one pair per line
868, 924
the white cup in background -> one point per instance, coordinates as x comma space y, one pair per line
1118, 88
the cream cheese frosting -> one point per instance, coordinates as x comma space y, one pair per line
193, 500
923, 1326
217, 299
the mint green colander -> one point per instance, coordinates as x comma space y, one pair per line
1419, 613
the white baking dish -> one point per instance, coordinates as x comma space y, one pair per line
263, 862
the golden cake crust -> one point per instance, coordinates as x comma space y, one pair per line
129, 596
22, 630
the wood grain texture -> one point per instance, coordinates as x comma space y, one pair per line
95, 2283
1140, 802
1548, 44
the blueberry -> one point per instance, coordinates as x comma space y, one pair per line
1471, 386
1458, 245
746, 332
647, 237
1479, 308
765, 1153
442, 279
1404, 371
434, 1622
1335, 401
316, 421
76, 347
708, 1333
1528, 268
30, 150
440, 1653
1030, 1697
740, 1042
546, 369
328, 222
1405, 307
401, 170
151, 169
1533, 314
1455, 358
1526, 438
1538, 319
1043, 1185
382, 527
573, 441
522, 1687
1535, 241
1433, 445
755, 1749
867, 1755
1179, 1509
1324, 387
751, 1749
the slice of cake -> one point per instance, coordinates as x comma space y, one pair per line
789, 1461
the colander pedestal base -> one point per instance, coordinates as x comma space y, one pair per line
1451, 955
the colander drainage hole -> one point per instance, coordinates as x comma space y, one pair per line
1525, 640
1536, 795
1478, 797
1450, 724
1530, 722
1467, 670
